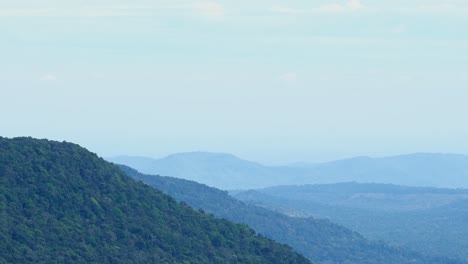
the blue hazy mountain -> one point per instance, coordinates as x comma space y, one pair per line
220, 170
322, 241
421, 169
226, 171
428, 220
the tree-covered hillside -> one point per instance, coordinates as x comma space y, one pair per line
320, 240
60, 203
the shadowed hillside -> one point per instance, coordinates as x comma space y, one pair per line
60, 203
320, 240
428, 220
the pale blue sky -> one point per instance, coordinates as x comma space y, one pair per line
273, 81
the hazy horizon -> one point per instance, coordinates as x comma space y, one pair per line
267, 81
279, 163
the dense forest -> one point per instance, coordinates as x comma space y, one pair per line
427, 220
60, 203
320, 240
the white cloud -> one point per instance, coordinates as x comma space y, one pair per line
406, 78
429, 9
209, 9
439, 7
350, 6
289, 77
111, 11
48, 78
399, 29
286, 10
18, 12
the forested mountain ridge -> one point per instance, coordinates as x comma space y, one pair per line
382, 197
59, 203
320, 240
427, 220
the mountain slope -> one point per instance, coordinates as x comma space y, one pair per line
320, 240
427, 220
228, 172
60, 203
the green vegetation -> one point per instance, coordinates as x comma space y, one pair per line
60, 203
320, 240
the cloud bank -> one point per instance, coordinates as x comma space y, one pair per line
350, 6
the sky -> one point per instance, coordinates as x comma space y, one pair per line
271, 81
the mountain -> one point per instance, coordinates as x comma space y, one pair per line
421, 169
427, 220
60, 203
228, 172
321, 240
224, 171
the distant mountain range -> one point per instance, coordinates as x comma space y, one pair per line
228, 172
428, 220
224, 171
320, 240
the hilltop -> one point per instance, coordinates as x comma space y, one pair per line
60, 203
